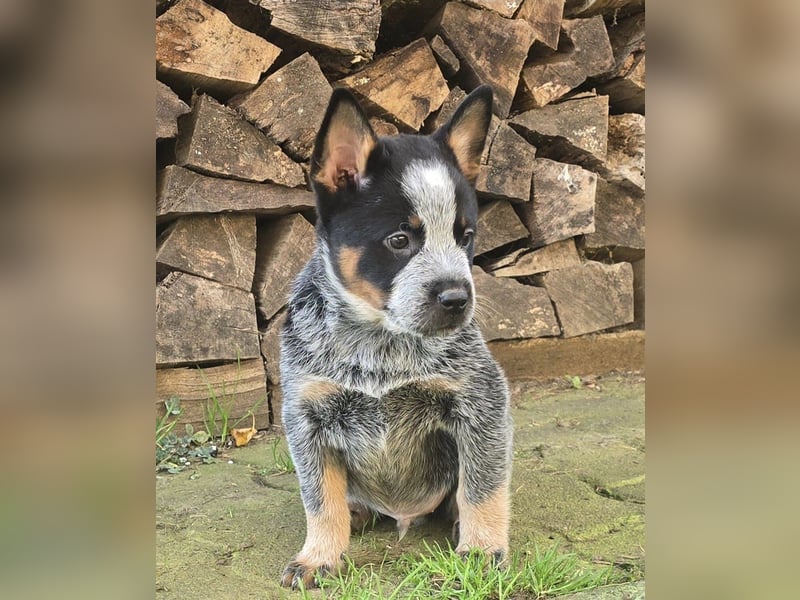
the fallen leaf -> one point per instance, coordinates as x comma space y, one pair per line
241, 437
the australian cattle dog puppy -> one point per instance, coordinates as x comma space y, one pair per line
392, 403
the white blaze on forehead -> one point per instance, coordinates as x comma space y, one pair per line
430, 188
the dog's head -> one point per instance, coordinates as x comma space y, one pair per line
397, 215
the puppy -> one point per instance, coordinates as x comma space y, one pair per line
392, 403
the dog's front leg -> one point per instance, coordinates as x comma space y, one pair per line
323, 487
484, 448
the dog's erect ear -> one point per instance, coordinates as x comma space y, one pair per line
343, 143
465, 132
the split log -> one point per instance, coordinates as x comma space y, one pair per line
562, 202
591, 43
511, 310
638, 294
276, 404
558, 255
448, 62
505, 8
547, 79
403, 21
627, 38
625, 83
626, 93
184, 192
162, 5
200, 321
573, 131
550, 77
345, 28
289, 105
197, 47
498, 225
383, 128
544, 17
506, 172
215, 140
448, 109
625, 159
284, 246
168, 108
591, 297
491, 49
239, 388
271, 347
449, 106
619, 224
217, 247
247, 15
593, 354
589, 8
404, 86
492, 263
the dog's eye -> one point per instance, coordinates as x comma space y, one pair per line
467, 237
398, 241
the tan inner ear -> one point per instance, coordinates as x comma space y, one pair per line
347, 149
463, 140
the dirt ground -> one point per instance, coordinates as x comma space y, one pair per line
226, 530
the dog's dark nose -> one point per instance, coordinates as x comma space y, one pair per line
453, 298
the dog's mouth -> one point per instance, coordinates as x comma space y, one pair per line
443, 331
435, 328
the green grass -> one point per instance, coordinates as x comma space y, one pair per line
442, 574
217, 414
166, 423
575, 381
281, 459
174, 452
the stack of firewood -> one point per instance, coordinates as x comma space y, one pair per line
242, 89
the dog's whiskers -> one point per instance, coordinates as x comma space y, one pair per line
485, 310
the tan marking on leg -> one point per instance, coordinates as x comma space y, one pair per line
484, 525
348, 266
328, 531
314, 390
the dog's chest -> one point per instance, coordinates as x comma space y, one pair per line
358, 423
399, 454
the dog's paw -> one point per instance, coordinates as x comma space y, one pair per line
299, 572
497, 555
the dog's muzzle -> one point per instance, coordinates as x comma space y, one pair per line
449, 306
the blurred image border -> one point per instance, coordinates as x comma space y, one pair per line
77, 242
